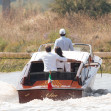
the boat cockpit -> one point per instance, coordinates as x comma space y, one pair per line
34, 70
36, 73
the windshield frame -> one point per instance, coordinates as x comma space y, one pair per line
74, 44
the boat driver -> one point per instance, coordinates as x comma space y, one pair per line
64, 43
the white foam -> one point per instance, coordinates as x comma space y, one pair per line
7, 91
101, 103
9, 98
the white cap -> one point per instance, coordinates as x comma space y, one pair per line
62, 31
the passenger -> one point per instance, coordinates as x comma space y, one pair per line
49, 59
63, 42
62, 66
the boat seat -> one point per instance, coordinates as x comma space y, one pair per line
38, 76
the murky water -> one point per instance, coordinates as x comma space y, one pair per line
99, 99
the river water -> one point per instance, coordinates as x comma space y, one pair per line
99, 98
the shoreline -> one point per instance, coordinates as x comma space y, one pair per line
25, 55
11, 62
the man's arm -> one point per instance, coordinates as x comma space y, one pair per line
71, 46
61, 58
66, 60
55, 44
73, 60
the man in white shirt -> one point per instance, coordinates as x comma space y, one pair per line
64, 43
49, 59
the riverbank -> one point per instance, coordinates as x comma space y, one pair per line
10, 61
25, 55
11, 65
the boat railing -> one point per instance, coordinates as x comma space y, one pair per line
90, 47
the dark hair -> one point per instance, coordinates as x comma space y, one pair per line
48, 48
58, 51
62, 34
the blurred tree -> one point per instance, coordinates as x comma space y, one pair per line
91, 7
63, 6
20, 3
5, 7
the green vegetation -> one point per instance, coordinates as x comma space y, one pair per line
28, 26
106, 66
92, 8
35, 5
63, 6
11, 65
3, 44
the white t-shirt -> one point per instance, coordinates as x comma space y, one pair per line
49, 59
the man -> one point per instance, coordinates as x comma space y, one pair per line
64, 43
49, 59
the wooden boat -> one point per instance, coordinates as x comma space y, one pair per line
33, 82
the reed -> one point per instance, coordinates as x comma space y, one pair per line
12, 55
25, 31
12, 65
106, 66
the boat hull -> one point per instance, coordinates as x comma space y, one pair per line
55, 94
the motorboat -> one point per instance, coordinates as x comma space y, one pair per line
33, 82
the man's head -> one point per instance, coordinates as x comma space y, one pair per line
48, 48
62, 32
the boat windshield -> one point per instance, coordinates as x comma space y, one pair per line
42, 47
77, 47
82, 47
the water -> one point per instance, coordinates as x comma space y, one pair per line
99, 99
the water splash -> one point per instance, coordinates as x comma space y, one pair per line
97, 99
8, 92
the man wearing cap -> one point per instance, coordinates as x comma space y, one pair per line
64, 43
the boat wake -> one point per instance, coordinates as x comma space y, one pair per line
96, 93
9, 101
8, 92
97, 99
